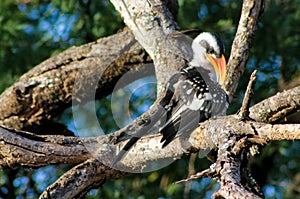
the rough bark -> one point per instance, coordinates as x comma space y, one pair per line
23, 149
81, 179
278, 107
43, 92
242, 42
153, 25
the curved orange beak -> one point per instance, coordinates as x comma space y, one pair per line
219, 66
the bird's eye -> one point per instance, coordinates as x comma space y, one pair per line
210, 51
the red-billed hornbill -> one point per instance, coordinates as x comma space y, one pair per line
193, 95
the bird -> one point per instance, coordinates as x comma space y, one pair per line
193, 95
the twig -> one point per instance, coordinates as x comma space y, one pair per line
185, 32
244, 111
191, 168
210, 172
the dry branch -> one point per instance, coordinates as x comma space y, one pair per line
251, 11
23, 149
152, 24
79, 180
266, 132
244, 110
46, 90
278, 107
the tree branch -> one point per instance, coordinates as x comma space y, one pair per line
276, 108
40, 148
141, 154
244, 110
43, 92
251, 11
279, 132
152, 23
80, 179
23, 149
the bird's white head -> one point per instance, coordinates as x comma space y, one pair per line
208, 52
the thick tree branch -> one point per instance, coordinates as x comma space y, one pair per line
80, 179
40, 148
251, 11
42, 93
23, 149
147, 152
279, 132
230, 164
276, 108
152, 24
46, 90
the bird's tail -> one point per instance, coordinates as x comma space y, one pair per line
141, 132
124, 150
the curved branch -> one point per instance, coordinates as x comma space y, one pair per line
276, 108
251, 11
47, 89
88, 175
59, 149
23, 149
43, 92
152, 24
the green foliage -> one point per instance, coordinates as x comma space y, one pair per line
31, 32
94, 19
